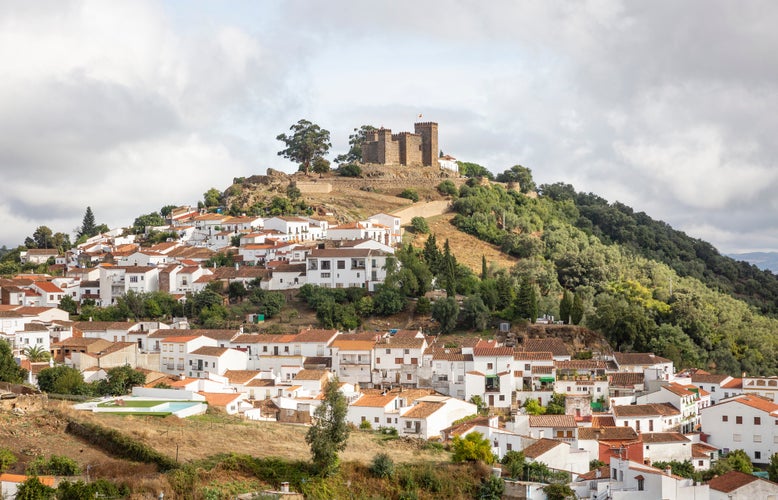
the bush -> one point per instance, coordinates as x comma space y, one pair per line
409, 194
423, 306
388, 431
419, 225
350, 170
56, 465
7, 459
365, 425
382, 466
448, 188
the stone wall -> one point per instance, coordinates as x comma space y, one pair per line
314, 187
428, 209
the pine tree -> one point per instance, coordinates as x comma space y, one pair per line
527, 301
449, 270
565, 306
484, 270
88, 225
432, 254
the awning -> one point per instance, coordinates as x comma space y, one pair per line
547, 379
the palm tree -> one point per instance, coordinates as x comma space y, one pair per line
36, 353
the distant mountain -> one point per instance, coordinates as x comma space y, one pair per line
767, 261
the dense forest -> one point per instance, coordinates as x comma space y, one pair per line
645, 286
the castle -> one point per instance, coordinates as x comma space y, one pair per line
406, 148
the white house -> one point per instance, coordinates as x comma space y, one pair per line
652, 417
174, 351
391, 222
205, 360
738, 485
346, 267
666, 446
744, 422
398, 357
429, 415
378, 410
681, 398
352, 359
444, 369
635, 481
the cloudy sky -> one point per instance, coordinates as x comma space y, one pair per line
666, 106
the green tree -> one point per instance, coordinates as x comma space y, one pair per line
432, 255
307, 142
66, 303
556, 405
61, 380
212, 198
293, 192
33, 489
772, 468
237, 291
577, 309
558, 491
471, 170
321, 165
419, 225
9, 370
475, 314
448, 188
533, 407
355, 142
520, 175
329, 432
527, 301
88, 225
491, 488
473, 447
43, 237
388, 300
446, 311
167, 210
121, 380
382, 465
566, 307
150, 219
448, 270
514, 463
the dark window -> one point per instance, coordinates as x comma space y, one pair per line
757, 420
738, 419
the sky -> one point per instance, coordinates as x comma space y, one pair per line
127, 106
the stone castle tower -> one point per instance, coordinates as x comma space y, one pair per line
419, 148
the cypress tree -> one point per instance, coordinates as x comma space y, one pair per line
483, 267
565, 306
577, 311
527, 301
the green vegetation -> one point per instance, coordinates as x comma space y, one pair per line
67, 380
350, 170
382, 466
471, 170
473, 447
9, 370
55, 465
409, 194
354, 153
7, 459
419, 225
448, 188
329, 432
305, 144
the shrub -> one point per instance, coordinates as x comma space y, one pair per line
471, 448
7, 459
448, 188
388, 431
365, 425
382, 466
350, 170
419, 225
55, 465
409, 194
423, 306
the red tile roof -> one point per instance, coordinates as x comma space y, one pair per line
731, 481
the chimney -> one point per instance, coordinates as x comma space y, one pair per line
669, 470
285, 487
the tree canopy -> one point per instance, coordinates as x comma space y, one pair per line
329, 432
306, 143
355, 142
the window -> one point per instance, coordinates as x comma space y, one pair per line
527, 367
736, 438
757, 420
133, 279
509, 446
398, 361
757, 438
699, 463
388, 420
489, 366
757, 455
325, 275
406, 351
738, 419
264, 348
712, 388
378, 361
181, 348
502, 397
376, 420
409, 376
388, 351
341, 264
326, 265
640, 484
725, 418
364, 418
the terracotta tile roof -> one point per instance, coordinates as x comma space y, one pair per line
542, 370
735, 383
678, 390
456, 430
95, 326
263, 338
19, 478
378, 401
533, 356
260, 382
180, 339
48, 287
646, 410
539, 447
608, 433
592, 475
580, 364
639, 358
493, 351
315, 335
754, 401
448, 354
400, 343
210, 351
220, 399
35, 327
627, 379
310, 374
241, 376
553, 344
603, 421
353, 345
567, 421
664, 437
702, 450
708, 378
423, 409
731, 481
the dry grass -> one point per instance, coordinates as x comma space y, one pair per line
467, 248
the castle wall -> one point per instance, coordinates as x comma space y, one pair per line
405, 148
429, 138
388, 150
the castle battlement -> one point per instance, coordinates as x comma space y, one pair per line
417, 148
